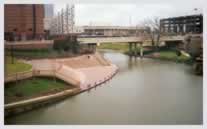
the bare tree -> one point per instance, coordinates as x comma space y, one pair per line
152, 27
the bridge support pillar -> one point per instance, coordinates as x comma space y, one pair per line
89, 47
94, 47
141, 50
130, 48
135, 49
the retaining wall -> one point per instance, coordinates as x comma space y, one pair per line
26, 105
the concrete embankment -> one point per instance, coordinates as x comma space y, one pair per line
98, 76
84, 72
26, 105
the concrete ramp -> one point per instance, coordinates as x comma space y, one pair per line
83, 77
70, 75
97, 75
51, 68
101, 59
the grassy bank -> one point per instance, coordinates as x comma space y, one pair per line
32, 87
115, 46
17, 66
171, 55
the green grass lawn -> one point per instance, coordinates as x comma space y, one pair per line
17, 66
169, 54
114, 46
29, 87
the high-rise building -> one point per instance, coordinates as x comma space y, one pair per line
49, 10
49, 14
23, 21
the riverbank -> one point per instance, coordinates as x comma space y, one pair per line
169, 55
88, 71
33, 87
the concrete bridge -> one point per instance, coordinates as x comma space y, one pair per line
110, 40
139, 40
132, 41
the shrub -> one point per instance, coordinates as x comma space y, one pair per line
178, 53
67, 45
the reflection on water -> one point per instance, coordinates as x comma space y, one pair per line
145, 91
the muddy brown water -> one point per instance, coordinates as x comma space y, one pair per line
145, 91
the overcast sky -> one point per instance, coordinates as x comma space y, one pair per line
131, 12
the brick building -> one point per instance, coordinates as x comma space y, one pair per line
23, 21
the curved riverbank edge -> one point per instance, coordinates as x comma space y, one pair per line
166, 59
25, 105
161, 58
98, 79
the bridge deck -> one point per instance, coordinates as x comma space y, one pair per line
110, 40
126, 39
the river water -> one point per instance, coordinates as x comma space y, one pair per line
145, 91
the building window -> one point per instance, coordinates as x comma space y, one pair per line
30, 29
